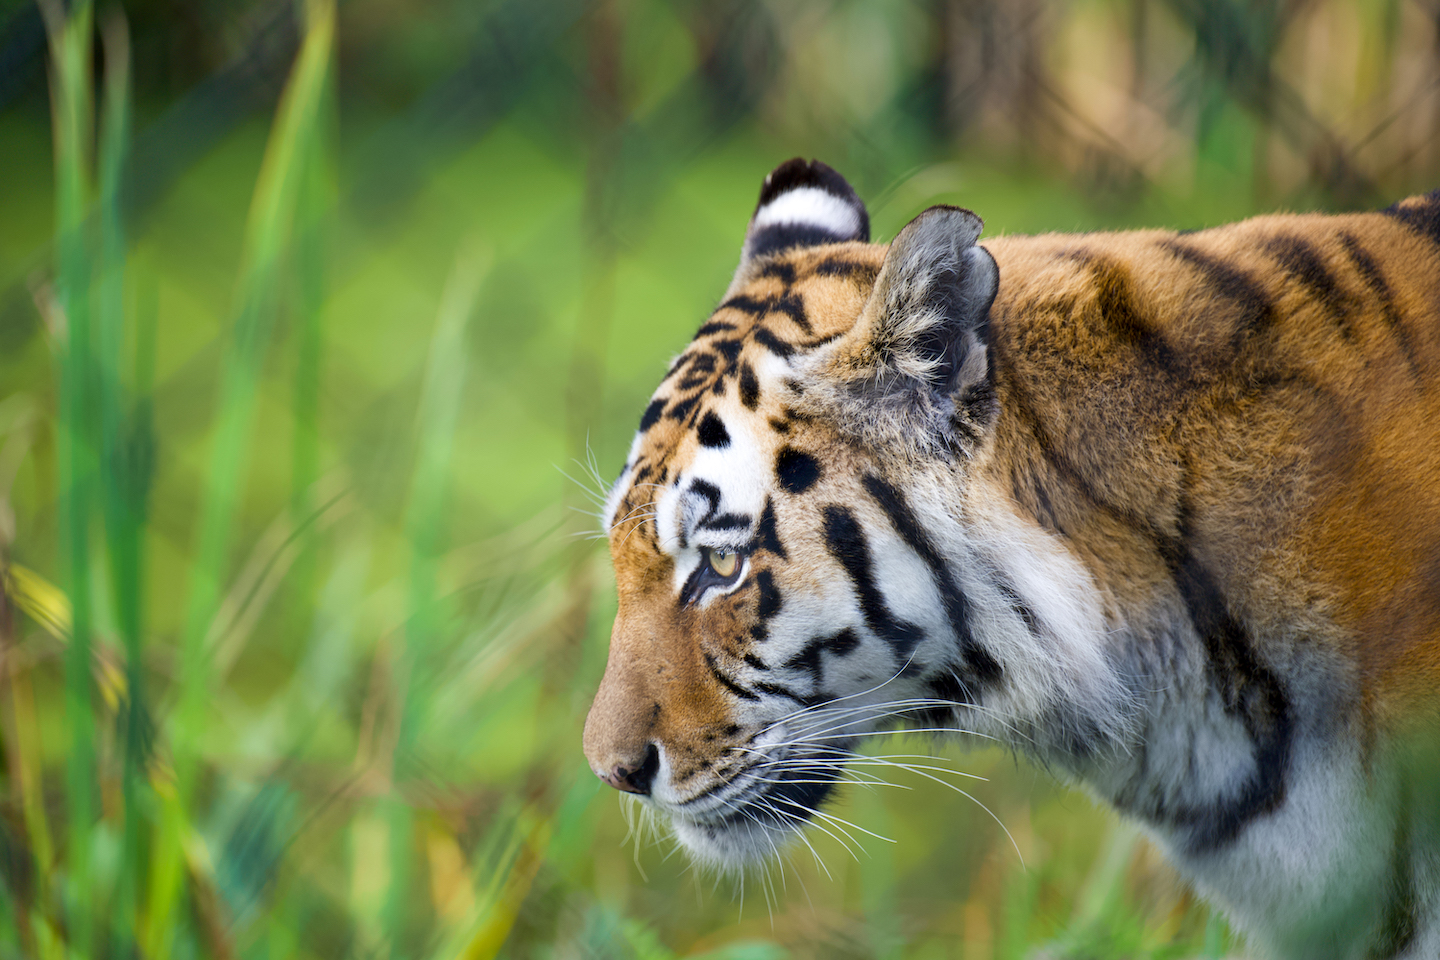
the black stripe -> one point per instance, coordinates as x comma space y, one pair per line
730, 350
772, 343
796, 470
680, 409
1017, 603
756, 662
1114, 294
749, 387
726, 521
767, 533
1421, 214
1400, 921
1256, 310
847, 544
778, 690
651, 415
1369, 271
1249, 689
978, 661
783, 272
841, 644
770, 597
712, 432
783, 236
946, 686
1054, 456
746, 304
864, 272
793, 306
714, 326
1301, 261
726, 682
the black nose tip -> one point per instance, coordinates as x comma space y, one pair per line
639, 779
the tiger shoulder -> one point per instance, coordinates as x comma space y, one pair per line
1159, 509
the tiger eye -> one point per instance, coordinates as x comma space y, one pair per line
724, 562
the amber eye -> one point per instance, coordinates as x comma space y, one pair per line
723, 562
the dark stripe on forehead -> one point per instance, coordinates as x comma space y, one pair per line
767, 534
745, 304
712, 432
714, 326
978, 661
701, 362
729, 349
793, 306
651, 415
778, 270
680, 409
847, 543
726, 521
749, 387
796, 470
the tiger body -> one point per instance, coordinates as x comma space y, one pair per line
1159, 510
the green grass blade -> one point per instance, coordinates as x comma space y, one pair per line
122, 498
439, 410
70, 50
267, 234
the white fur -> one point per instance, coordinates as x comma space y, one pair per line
812, 206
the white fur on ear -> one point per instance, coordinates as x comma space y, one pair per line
802, 204
810, 206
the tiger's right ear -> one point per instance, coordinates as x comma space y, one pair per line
915, 367
801, 205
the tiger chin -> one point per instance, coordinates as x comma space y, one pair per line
1160, 510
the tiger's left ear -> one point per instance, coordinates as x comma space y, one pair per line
916, 363
801, 205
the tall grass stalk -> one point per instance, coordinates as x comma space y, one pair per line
439, 410
124, 446
70, 49
267, 235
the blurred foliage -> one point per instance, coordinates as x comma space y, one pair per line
317, 329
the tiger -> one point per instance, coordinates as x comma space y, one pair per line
1157, 509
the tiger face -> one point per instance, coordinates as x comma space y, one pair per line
1157, 509
782, 588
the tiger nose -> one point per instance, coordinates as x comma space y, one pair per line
634, 778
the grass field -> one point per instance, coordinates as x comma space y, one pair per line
301, 615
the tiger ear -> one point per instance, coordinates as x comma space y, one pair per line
801, 205
916, 362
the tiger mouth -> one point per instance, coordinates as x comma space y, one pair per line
783, 796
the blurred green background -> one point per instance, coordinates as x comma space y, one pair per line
321, 326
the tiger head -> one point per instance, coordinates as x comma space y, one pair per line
790, 568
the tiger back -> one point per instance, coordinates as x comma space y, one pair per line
1157, 509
